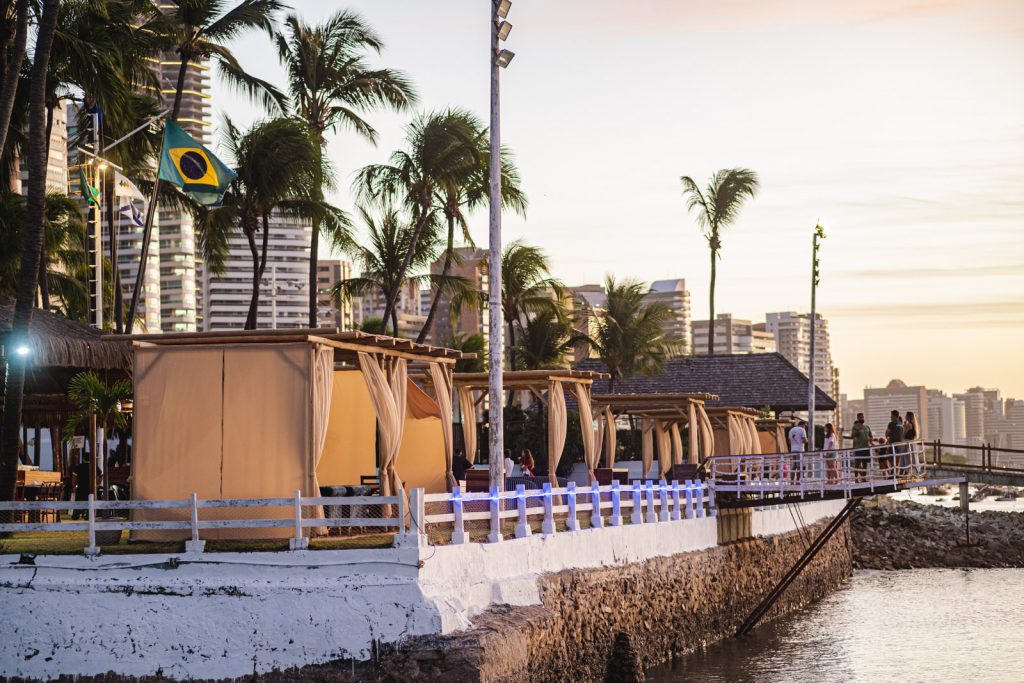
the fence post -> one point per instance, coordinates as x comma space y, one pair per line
548, 525
712, 510
638, 509
523, 527
596, 521
92, 550
458, 526
571, 522
675, 501
300, 542
416, 536
616, 518
700, 511
688, 493
663, 501
195, 545
651, 517
495, 535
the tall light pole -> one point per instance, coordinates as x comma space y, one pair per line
499, 59
819, 234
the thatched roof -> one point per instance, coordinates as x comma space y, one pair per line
57, 342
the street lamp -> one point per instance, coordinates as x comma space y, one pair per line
819, 234
498, 60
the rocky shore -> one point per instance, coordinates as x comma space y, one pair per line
890, 534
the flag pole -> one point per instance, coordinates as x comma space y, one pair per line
147, 234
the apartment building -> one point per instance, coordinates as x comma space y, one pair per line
329, 272
947, 418
284, 288
673, 294
896, 395
469, 320
732, 335
792, 332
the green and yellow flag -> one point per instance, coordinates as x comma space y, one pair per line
189, 165
89, 193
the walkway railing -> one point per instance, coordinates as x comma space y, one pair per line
817, 473
298, 513
984, 457
459, 517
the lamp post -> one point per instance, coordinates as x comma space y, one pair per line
499, 59
819, 234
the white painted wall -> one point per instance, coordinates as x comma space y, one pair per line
780, 519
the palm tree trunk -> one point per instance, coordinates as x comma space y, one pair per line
711, 305
392, 299
254, 302
444, 273
147, 230
28, 274
12, 69
394, 322
44, 284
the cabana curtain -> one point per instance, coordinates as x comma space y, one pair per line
323, 390
388, 395
664, 447
598, 434
693, 434
707, 447
443, 393
755, 440
556, 428
677, 444
611, 438
647, 446
468, 408
590, 453
780, 439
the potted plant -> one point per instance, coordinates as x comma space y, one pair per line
100, 405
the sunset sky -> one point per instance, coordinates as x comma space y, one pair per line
899, 124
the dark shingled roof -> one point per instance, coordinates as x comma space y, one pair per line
752, 380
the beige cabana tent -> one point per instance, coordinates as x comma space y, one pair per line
549, 387
772, 433
262, 414
735, 430
662, 415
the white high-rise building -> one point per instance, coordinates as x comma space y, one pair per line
732, 335
673, 293
329, 272
284, 288
947, 419
792, 332
879, 403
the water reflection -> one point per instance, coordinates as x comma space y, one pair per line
922, 625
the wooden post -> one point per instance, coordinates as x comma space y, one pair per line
699, 486
638, 508
651, 517
194, 545
92, 550
95, 456
459, 526
495, 535
616, 518
571, 523
688, 490
596, 521
675, 501
300, 542
663, 501
523, 527
548, 525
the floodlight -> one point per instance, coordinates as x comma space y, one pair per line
503, 7
21, 350
504, 28
505, 58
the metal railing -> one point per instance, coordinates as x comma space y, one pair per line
389, 513
450, 517
815, 473
983, 457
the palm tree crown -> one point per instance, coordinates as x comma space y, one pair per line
717, 207
527, 288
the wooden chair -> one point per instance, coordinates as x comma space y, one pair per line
478, 480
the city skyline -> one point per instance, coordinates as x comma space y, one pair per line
897, 124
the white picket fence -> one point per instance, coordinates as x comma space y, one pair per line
301, 520
645, 502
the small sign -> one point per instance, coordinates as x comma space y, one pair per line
78, 441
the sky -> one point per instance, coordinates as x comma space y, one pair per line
898, 124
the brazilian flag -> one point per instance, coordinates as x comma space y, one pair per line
189, 165
89, 193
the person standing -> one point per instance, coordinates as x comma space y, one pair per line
526, 463
831, 455
911, 432
797, 445
509, 465
861, 435
893, 436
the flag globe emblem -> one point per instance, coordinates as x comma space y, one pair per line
194, 165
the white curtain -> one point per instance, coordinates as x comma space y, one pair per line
694, 434
755, 439
647, 446
468, 408
661, 435
611, 438
388, 395
556, 429
443, 395
590, 453
677, 444
323, 390
599, 431
707, 446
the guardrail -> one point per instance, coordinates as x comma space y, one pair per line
817, 472
300, 521
984, 457
449, 517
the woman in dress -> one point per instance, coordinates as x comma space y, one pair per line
526, 463
832, 458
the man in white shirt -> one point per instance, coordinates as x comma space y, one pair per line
797, 444
509, 465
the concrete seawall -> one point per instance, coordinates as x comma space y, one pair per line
541, 608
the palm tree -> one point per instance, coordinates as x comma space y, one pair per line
717, 207
28, 274
331, 85
630, 336
92, 397
473, 343
467, 193
441, 150
545, 343
198, 30
13, 39
279, 168
527, 288
390, 244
